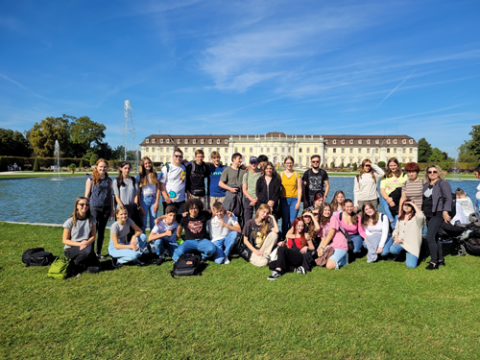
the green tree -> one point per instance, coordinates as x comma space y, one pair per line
381, 164
44, 134
103, 150
332, 165
118, 153
424, 150
474, 142
36, 166
80, 165
93, 159
465, 155
85, 132
354, 166
342, 166
437, 156
13, 143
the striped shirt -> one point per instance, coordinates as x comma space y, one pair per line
414, 190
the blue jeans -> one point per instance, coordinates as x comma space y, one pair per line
167, 241
477, 206
126, 255
289, 213
357, 243
204, 246
228, 242
393, 220
340, 257
411, 260
147, 204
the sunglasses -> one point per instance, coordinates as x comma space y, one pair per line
315, 162
368, 165
178, 156
432, 171
84, 204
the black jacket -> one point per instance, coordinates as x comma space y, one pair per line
271, 192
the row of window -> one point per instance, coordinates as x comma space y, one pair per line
360, 150
187, 141
368, 141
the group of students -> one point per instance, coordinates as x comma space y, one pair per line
209, 207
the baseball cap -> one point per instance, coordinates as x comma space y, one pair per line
253, 159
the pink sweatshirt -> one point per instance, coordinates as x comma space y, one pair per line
353, 229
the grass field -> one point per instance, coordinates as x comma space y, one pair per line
363, 311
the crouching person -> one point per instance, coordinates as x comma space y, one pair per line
196, 233
78, 236
260, 235
120, 249
163, 236
224, 229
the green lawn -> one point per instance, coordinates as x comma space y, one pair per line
363, 311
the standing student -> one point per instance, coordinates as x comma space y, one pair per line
268, 188
172, 182
291, 194
293, 251
337, 204
262, 161
365, 184
332, 235
224, 230
391, 189
196, 233
413, 187
314, 182
120, 248
249, 187
407, 235
217, 194
148, 192
231, 181
260, 235
164, 234
476, 172
377, 229
79, 235
437, 202
197, 173
125, 189
351, 222
98, 189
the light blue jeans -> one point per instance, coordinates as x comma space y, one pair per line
357, 243
168, 242
227, 242
204, 246
393, 220
127, 255
411, 260
340, 257
289, 213
477, 206
147, 204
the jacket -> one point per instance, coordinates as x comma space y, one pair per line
441, 196
271, 192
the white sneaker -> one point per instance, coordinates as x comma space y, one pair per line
301, 270
226, 261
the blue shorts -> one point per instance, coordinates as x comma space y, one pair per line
340, 257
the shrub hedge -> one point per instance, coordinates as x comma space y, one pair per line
46, 162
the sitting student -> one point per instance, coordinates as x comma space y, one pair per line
318, 201
351, 222
332, 235
464, 202
164, 234
224, 230
312, 227
260, 235
407, 235
338, 202
120, 250
196, 233
377, 229
293, 251
78, 236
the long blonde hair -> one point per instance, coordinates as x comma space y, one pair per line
143, 173
335, 204
96, 174
74, 215
264, 230
426, 179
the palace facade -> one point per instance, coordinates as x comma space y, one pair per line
346, 149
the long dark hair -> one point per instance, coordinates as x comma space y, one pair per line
365, 217
353, 216
324, 220
412, 214
120, 179
389, 173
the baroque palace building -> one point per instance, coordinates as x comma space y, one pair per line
346, 149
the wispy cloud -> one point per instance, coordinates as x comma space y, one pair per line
396, 88
22, 86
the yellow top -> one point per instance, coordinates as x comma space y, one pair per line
289, 184
391, 183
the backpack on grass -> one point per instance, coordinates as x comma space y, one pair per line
60, 268
37, 257
187, 265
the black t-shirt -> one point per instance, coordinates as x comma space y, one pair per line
315, 182
195, 228
427, 204
196, 175
254, 232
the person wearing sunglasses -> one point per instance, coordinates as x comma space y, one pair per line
436, 203
78, 236
314, 182
172, 182
365, 184
476, 172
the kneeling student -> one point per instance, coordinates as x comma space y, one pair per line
196, 234
120, 249
78, 236
164, 235
224, 229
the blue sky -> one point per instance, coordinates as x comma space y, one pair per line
236, 67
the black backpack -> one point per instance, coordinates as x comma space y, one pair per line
187, 265
37, 257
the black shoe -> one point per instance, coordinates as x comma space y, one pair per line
115, 263
100, 257
275, 275
441, 263
160, 261
431, 266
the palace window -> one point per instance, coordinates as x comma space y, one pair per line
147, 141
351, 150
334, 150
218, 141
209, 141
194, 141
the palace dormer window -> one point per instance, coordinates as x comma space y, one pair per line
395, 141
161, 141
209, 141
388, 141
186, 141
404, 141
377, 141
334, 142
411, 141
194, 141
202, 141
218, 141
368, 141
153, 141
343, 141
360, 141
351, 141
147, 140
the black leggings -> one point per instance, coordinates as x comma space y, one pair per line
101, 214
433, 224
84, 257
288, 258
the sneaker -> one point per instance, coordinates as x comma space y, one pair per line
138, 263
275, 275
441, 263
160, 261
100, 257
301, 270
115, 263
227, 260
431, 266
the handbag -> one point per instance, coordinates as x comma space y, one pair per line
322, 260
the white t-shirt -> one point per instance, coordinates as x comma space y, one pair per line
149, 189
217, 231
174, 181
162, 226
